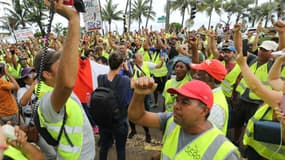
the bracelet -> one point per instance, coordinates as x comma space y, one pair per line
3, 147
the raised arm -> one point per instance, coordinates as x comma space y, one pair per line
280, 28
271, 97
274, 76
136, 112
68, 62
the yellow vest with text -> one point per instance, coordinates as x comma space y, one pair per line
220, 100
264, 149
159, 72
139, 73
74, 128
14, 153
169, 99
230, 80
261, 73
211, 144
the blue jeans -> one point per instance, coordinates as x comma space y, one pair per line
107, 137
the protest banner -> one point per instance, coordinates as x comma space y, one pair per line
24, 34
92, 17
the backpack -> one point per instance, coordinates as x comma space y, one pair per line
104, 107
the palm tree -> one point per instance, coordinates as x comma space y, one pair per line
36, 13
238, 7
110, 13
150, 9
281, 8
209, 6
141, 9
16, 14
183, 6
58, 28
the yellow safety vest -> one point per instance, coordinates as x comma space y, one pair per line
14, 72
220, 100
74, 128
105, 54
158, 72
14, 153
264, 149
139, 73
230, 80
146, 55
261, 73
169, 99
209, 145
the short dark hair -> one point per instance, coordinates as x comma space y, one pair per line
115, 60
50, 57
203, 105
103, 59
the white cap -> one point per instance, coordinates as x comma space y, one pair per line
269, 45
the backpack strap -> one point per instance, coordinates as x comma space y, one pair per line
264, 114
62, 129
100, 79
140, 69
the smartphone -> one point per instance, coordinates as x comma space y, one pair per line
68, 2
244, 47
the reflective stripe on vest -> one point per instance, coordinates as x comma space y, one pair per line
220, 100
230, 80
261, 73
211, 144
159, 72
74, 128
14, 153
172, 83
266, 150
146, 56
144, 67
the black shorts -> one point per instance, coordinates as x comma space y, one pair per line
242, 112
160, 83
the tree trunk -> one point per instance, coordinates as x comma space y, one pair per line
266, 21
183, 16
147, 18
140, 21
167, 15
238, 17
209, 24
110, 25
100, 8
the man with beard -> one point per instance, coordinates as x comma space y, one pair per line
187, 132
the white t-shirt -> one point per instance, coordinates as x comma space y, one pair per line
88, 145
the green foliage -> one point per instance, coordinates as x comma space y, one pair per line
176, 26
140, 8
183, 6
110, 12
36, 13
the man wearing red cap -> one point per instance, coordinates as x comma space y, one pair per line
213, 72
187, 132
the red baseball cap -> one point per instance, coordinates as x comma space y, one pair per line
213, 67
195, 89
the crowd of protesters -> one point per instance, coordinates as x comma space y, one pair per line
215, 83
